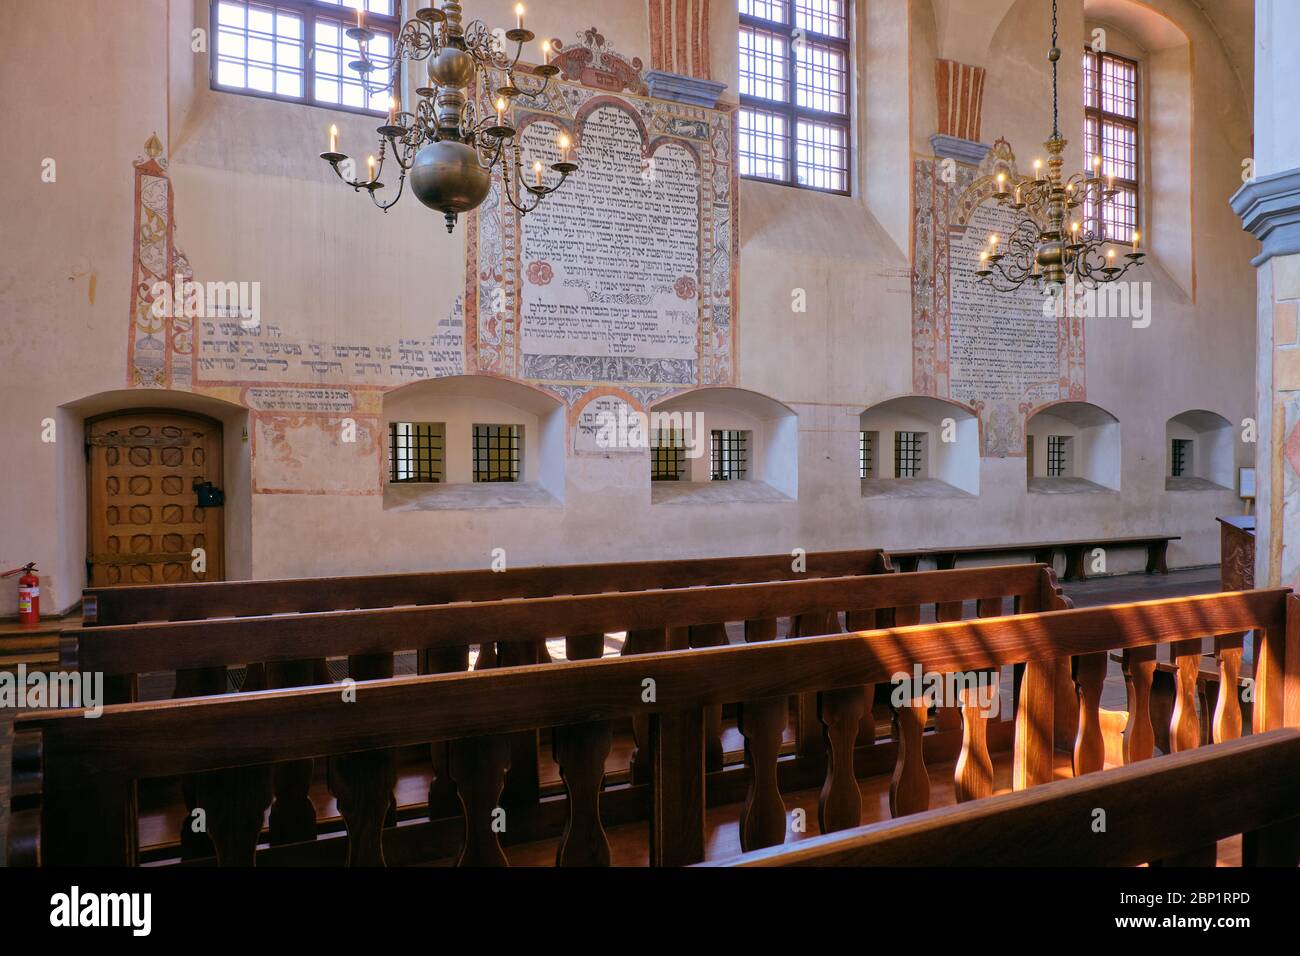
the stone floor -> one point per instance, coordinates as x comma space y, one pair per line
1107, 590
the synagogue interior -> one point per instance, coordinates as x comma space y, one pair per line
466, 433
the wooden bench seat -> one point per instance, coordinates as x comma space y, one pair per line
1044, 552
73, 778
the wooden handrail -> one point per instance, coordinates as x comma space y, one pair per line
138, 648
174, 602
1154, 810
195, 734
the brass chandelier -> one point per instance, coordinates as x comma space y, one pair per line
446, 149
1041, 248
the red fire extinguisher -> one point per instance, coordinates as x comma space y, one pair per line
29, 595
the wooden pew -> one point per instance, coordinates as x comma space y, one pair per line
292, 819
57, 754
186, 602
1076, 553
1167, 810
379, 633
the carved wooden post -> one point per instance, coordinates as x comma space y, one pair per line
840, 805
1184, 726
909, 788
293, 816
676, 745
1089, 744
642, 641
442, 790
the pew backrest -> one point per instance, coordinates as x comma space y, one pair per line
193, 601
1172, 810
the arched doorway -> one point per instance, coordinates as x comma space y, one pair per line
145, 523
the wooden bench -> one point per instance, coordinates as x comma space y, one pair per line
1044, 552
1170, 811
73, 777
182, 602
658, 620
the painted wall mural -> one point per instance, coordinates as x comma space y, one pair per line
1001, 354
621, 285
625, 278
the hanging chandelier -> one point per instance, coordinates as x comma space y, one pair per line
445, 148
1042, 248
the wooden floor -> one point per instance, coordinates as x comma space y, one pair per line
629, 842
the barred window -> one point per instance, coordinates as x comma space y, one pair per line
299, 50
795, 67
1058, 456
1110, 130
909, 454
667, 455
496, 452
867, 454
415, 451
729, 455
1181, 458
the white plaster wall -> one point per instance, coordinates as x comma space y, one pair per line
254, 202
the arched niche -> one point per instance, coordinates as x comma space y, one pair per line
454, 406
918, 446
1199, 452
234, 478
1073, 448
723, 426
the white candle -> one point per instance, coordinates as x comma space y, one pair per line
361, 14
501, 107
537, 172
370, 162
546, 52
1135, 240
565, 143
334, 138
392, 111
519, 15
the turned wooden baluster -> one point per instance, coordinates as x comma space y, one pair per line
363, 783
478, 767
196, 682
808, 737
762, 724
1139, 666
234, 805
523, 782
1089, 744
866, 621
442, 790
973, 776
909, 788
714, 635
1227, 709
293, 815
948, 716
1184, 727
840, 805
580, 750
1033, 758
642, 641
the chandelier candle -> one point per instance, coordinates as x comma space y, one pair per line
450, 143
1038, 250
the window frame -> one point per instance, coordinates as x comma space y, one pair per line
1059, 458
729, 451
1103, 116
916, 445
309, 11
512, 434
790, 108
435, 443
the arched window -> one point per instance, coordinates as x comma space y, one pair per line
716, 444
1199, 450
472, 441
916, 446
1072, 448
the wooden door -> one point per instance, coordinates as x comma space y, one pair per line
143, 514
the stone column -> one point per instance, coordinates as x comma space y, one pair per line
1269, 205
